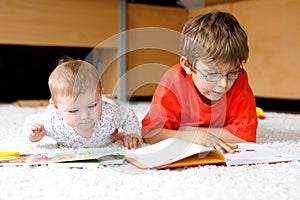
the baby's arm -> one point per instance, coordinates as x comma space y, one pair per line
37, 132
35, 125
131, 141
130, 125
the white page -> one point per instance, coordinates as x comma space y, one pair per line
165, 152
252, 153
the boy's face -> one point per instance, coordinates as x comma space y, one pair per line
82, 114
213, 81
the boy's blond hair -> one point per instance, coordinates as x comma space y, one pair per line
71, 78
214, 38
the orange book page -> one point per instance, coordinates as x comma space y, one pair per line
204, 158
211, 158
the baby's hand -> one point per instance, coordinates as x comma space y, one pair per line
37, 132
131, 141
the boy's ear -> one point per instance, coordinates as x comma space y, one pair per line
185, 65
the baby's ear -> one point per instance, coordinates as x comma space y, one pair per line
54, 105
185, 65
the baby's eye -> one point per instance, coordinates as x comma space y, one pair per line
73, 111
93, 106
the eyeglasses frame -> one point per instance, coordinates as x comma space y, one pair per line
205, 76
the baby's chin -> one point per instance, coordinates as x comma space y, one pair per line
85, 130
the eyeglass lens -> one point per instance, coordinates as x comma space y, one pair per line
217, 76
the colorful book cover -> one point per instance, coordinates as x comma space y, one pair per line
102, 156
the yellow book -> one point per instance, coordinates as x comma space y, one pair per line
9, 153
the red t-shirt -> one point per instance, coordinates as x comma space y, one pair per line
177, 102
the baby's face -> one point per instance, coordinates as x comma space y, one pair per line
213, 89
84, 112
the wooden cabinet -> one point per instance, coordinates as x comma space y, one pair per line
154, 38
76, 23
153, 45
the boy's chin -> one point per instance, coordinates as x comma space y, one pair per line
215, 97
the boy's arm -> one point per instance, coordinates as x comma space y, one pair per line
219, 138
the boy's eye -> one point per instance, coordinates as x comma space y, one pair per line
93, 106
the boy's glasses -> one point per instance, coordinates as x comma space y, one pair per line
217, 76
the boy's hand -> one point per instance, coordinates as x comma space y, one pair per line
131, 141
218, 144
203, 137
37, 132
225, 147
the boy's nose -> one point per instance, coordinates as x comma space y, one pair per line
223, 81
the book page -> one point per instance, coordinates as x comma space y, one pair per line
164, 152
252, 153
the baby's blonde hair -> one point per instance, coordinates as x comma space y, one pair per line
71, 78
214, 38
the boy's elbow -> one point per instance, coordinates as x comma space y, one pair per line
154, 136
149, 140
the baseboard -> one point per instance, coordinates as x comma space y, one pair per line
279, 105
140, 98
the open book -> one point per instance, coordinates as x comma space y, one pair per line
174, 153
70, 158
169, 153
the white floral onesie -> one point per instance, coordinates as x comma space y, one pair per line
113, 117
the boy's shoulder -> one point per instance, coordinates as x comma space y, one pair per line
176, 76
241, 87
176, 68
175, 71
243, 79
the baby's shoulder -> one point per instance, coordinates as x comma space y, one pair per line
109, 109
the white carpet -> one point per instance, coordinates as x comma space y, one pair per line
279, 181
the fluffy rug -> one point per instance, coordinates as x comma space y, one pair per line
264, 181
